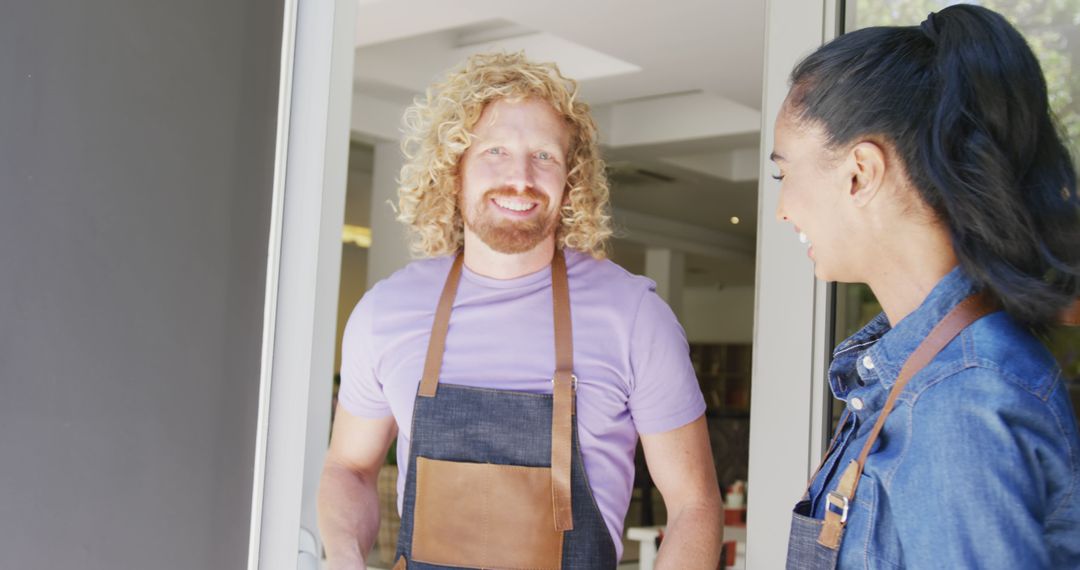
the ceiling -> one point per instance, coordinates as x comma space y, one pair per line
675, 87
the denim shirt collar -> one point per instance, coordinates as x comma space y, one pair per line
886, 348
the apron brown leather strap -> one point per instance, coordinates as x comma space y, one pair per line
968, 311
562, 406
437, 344
563, 383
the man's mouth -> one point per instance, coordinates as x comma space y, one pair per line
514, 204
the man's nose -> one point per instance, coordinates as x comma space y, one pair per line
520, 173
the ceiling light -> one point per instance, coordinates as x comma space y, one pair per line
735, 219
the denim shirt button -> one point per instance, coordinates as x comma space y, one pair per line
868, 362
856, 403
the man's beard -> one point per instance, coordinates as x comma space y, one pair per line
507, 235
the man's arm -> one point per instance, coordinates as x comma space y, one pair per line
681, 464
348, 500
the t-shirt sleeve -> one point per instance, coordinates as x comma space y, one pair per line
361, 393
664, 392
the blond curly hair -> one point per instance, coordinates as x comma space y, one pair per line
437, 133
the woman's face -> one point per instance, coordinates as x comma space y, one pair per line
814, 182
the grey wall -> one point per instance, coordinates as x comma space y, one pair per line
136, 169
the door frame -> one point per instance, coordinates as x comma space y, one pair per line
789, 399
792, 314
303, 272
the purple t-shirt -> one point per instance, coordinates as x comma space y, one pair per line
630, 356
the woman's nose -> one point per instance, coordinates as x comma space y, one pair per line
780, 215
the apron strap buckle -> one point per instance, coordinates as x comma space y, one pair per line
838, 504
562, 413
573, 381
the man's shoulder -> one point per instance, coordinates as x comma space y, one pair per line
605, 275
417, 276
395, 300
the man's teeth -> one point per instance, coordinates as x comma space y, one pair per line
803, 238
515, 206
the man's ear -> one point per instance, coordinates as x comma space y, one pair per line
867, 171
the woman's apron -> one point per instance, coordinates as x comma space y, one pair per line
495, 477
815, 544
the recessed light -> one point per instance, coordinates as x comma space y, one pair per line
735, 219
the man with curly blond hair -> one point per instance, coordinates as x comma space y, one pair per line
516, 366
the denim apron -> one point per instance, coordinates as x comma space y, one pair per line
464, 439
815, 544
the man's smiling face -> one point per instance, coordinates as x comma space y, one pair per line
513, 175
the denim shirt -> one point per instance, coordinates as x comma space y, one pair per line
978, 465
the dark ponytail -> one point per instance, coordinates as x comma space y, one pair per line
963, 101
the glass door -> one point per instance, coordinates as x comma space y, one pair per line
799, 319
1052, 29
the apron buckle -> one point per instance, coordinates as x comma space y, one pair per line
838, 504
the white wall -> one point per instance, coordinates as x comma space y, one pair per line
712, 315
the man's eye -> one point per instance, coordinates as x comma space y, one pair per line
494, 150
543, 155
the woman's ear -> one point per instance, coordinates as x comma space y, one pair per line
867, 172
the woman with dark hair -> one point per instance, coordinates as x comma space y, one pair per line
924, 162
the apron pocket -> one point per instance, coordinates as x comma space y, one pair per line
804, 552
482, 515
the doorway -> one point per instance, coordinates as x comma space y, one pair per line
680, 133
